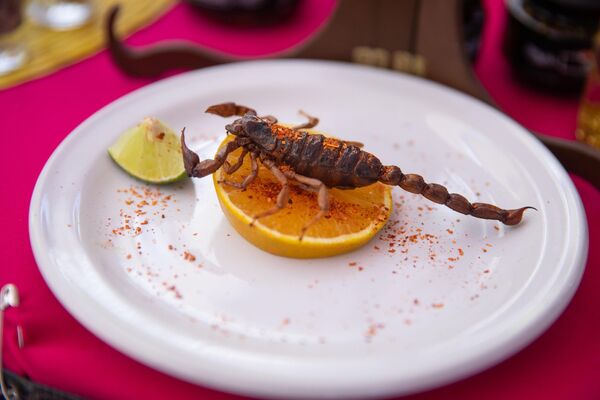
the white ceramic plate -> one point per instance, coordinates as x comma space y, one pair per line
456, 296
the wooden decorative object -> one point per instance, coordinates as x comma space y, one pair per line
422, 37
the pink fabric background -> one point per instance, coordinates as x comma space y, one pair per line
564, 363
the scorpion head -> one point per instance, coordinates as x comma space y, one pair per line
251, 126
235, 128
257, 129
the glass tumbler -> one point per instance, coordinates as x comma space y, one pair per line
13, 52
60, 14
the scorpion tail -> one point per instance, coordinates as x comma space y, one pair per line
230, 110
392, 175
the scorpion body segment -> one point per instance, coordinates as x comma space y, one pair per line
332, 161
318, 162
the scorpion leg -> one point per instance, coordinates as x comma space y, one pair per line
230, 169
322, 197
391, 175
282, 197
247, 180
311, 123
360, 145
306, 187
196, 168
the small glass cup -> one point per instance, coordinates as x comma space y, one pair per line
588, 118
13, 52
60, 15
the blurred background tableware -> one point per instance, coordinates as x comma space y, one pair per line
588, 118
547, 42
58, 33
13, 51
60, 14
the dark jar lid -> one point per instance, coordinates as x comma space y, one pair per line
556, 21
576, 5
247, 12
548, 42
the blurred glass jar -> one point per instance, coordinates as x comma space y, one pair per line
247, 12
588, 119
547, 41
13, 52
60, 14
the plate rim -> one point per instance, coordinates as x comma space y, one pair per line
527, 333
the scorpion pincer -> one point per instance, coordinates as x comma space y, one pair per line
316, 163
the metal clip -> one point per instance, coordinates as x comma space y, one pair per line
9, 297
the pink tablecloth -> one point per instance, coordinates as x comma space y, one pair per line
562, 364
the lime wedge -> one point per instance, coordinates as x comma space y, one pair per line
150, 151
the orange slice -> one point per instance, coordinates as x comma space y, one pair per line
354, 217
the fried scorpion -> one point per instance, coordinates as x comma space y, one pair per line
316, 163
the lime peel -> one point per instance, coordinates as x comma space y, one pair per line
150, 152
